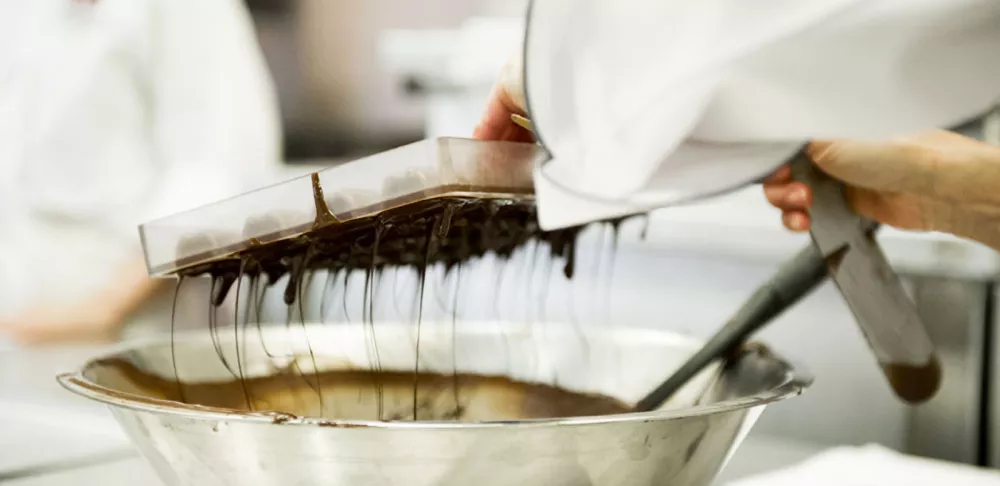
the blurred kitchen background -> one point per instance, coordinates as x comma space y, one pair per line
357, 77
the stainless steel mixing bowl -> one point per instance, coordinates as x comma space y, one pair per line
685, 443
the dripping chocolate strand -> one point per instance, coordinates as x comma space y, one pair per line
220, 287
259, 312
226, 281
369, 332
173, 343
499, 266
248, 311
612, 261
395, 291
439, 297
454, 340
570, 258
429, 250
289, 297
368, 320
236, 334
543, 295
530, 318
574, 319
302, 320
294, 364
604, 232
211, 321
347, 277
502, 262
528, 287
331, 277
298, 268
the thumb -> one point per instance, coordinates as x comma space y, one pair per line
934, 164
506, 99
511, 84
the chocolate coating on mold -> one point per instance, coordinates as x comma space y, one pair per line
323, 214
462, 228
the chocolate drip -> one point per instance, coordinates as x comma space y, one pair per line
323, 214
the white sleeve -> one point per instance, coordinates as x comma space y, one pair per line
652, 103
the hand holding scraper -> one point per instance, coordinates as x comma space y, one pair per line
845, 249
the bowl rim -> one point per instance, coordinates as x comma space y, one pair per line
796, 380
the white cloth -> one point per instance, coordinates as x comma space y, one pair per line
646, 103
873, 465
113, 112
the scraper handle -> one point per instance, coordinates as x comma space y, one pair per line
796, 279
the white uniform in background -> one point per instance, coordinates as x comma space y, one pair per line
113, 112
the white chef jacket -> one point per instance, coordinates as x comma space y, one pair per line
650, 103
113, 112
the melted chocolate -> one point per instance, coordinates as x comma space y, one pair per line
351, 395
323, 214
459, 228
915, 384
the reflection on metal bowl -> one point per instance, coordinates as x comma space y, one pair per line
306, 414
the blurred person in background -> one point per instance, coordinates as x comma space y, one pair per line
113, 113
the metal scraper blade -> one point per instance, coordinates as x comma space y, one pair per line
872, 290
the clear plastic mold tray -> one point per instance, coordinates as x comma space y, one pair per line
433, 168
